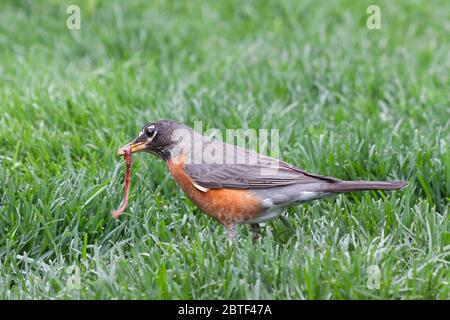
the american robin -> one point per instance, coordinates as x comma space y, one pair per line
236, 185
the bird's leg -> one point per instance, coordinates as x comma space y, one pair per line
256, 231
231, 228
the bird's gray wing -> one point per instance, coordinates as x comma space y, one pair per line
261, 172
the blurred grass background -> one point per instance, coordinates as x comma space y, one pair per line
349, 102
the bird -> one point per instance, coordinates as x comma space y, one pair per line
235, 185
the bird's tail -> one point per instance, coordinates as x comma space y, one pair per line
351, 186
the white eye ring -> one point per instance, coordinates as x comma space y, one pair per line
150, 132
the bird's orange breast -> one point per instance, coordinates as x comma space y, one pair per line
228, 206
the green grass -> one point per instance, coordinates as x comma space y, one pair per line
349, 102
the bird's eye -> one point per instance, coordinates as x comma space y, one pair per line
150, 132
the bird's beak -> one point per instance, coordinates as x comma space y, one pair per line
134, 147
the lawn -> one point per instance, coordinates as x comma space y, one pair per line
348, 101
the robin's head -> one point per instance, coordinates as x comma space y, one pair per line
155, 137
